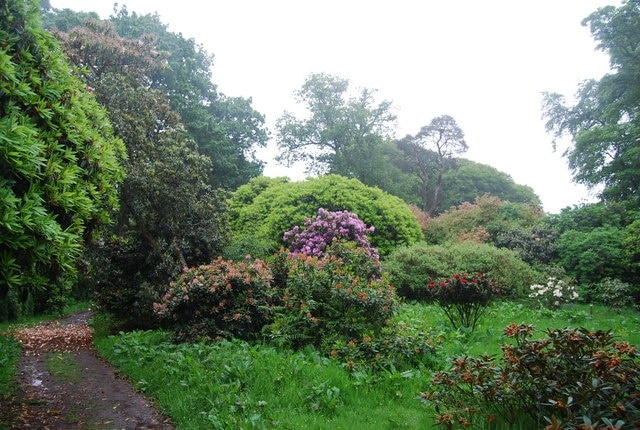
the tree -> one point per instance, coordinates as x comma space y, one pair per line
467, 180
59, 165
604, 123
170, 218
226, 129
340, 134
442, 138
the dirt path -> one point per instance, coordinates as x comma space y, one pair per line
65, 385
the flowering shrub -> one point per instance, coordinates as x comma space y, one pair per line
464, 299
223, 299
321, 231
554, 294
613, 293
572, 379
328, 298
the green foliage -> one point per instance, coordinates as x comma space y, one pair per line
613, 293
464, 299
411, 268
234, 384
569, 379
389, 350
9, 354
603, 122
432, 151
631, 250
586, 217
226, 129
469, 180
536, 245
123, 273
340, 132
223, 299
329, 298
592, 256
282, 205
237, 385
59, 166
487, 213
170, 218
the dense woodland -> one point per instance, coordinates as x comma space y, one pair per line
123, 166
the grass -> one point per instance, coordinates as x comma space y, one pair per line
236, 385
64, 366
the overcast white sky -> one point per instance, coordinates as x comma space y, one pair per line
485, 63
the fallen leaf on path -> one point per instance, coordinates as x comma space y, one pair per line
54, 337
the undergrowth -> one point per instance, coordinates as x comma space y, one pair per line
239, 385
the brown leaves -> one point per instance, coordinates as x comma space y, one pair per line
53, 336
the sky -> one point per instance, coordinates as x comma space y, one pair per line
486, 63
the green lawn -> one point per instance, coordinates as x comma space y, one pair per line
236, 385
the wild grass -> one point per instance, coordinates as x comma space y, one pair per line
237, 385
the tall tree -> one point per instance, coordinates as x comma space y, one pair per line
604, 123
227, 129
432, 150
59, 165
341, 132
170, 217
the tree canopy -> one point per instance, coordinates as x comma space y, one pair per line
226, 129
59, 165
604, 123
431, 151
165, 196
341, 133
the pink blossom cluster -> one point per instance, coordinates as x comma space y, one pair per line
326, 227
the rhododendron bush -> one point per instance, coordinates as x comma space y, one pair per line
464, 298
324, 228
338, 295
569, 379
223, 299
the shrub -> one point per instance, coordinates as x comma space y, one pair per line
555, 293
387, 350
265, 213
338, 296
488, 213
536, 246
224, 299
570, 379
127, 279
412, 267
613, 293
593, 255
321, 231
464, 299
